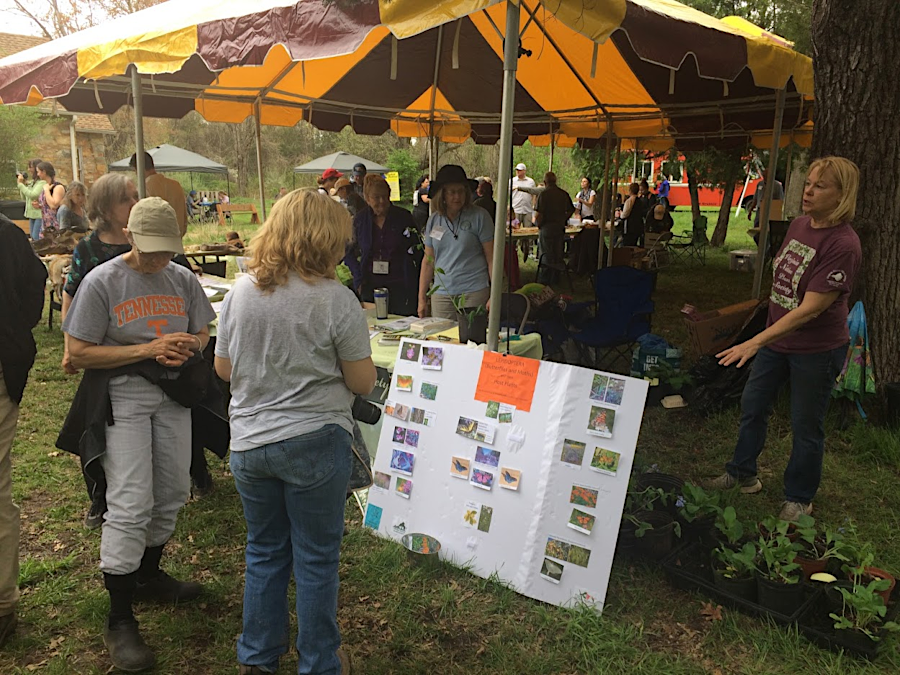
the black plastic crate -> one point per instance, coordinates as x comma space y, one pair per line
689, 569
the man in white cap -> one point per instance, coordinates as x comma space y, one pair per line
522, 200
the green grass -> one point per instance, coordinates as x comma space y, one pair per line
401, 620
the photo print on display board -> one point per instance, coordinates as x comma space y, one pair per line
470, 514
410, 351
412, 438
572, 452
482, 479
401, 412
459, 467
605, 461
581, 521
615, 391
399, 435
492, 409
432, 358
404, 487
505, 415
598, 387
404, 382
484, 432
487, 456
466, 427
584, 496
417, 416
557, 548
601, 421
402, 461
373, 516
552, 570
485, 518
381, 480
428, 391
510, 479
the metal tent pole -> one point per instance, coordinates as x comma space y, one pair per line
767, 195
604, 199
609, 252
259, 160
137, 97
510, 58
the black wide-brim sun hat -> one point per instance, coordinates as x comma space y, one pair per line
449, 174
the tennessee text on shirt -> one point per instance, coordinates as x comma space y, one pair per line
148, 305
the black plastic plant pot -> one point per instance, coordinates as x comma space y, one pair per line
627, 543
474, 329
699, 530
656, 543
833, 599
779, 597
744, 589
667, 483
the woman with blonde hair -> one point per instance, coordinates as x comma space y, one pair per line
385, 250
806, 338
294, 344
72, 213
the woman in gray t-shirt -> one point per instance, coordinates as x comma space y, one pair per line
294, 344
137, 319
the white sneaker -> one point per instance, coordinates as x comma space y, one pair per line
791, 511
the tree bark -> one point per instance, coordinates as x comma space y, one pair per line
694, 191
857, 108
721, 231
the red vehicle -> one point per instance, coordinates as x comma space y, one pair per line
679, 195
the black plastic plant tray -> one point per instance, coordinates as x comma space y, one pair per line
689, 569
818, 628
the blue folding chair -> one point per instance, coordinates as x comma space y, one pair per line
621, 313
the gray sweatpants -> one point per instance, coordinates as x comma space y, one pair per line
147, 464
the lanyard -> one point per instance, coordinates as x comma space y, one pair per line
455, 232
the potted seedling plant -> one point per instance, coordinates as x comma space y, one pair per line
654, 527
669, 381
697, 512
734, 562
861, 571
863, 612
778, 578
472, 320
819, 551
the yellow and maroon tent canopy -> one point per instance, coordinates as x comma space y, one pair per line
644, 67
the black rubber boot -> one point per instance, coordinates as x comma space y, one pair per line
127, 649
154, 585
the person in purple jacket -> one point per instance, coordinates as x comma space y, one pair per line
806, 338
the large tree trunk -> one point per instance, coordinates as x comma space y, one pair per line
721, 231
857, 108
694, 191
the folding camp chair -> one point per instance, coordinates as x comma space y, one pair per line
514, 311
691, 247
621, 314
657, 249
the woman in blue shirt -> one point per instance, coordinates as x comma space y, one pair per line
459, 240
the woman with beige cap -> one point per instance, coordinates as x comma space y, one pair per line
137, 327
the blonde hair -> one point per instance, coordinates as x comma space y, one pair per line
374, 183
305, 234
846, 174
438, 199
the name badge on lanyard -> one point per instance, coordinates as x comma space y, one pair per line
437, 232
380, 267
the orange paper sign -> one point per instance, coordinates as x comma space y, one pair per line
507, 379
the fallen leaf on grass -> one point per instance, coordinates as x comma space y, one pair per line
711, 612
34, 666
55, 453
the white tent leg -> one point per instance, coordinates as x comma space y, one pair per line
767, 196
137, 96
510, 59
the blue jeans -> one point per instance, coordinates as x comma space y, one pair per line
812, 379
36, 224
293, 494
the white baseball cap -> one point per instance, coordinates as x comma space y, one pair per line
154, 227
520, 167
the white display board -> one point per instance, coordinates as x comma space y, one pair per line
533, 494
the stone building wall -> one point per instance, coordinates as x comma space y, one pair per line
54, 146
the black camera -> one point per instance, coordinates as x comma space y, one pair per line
365, 412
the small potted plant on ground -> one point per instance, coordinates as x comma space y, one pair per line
819, 551
734, 562
697, 512
862, 613
778, 578
862, 572
654, 527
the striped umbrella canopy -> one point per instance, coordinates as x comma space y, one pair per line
640, 68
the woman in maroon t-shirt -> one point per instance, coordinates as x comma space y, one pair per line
805, 341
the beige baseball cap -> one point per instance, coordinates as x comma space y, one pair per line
154, 226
